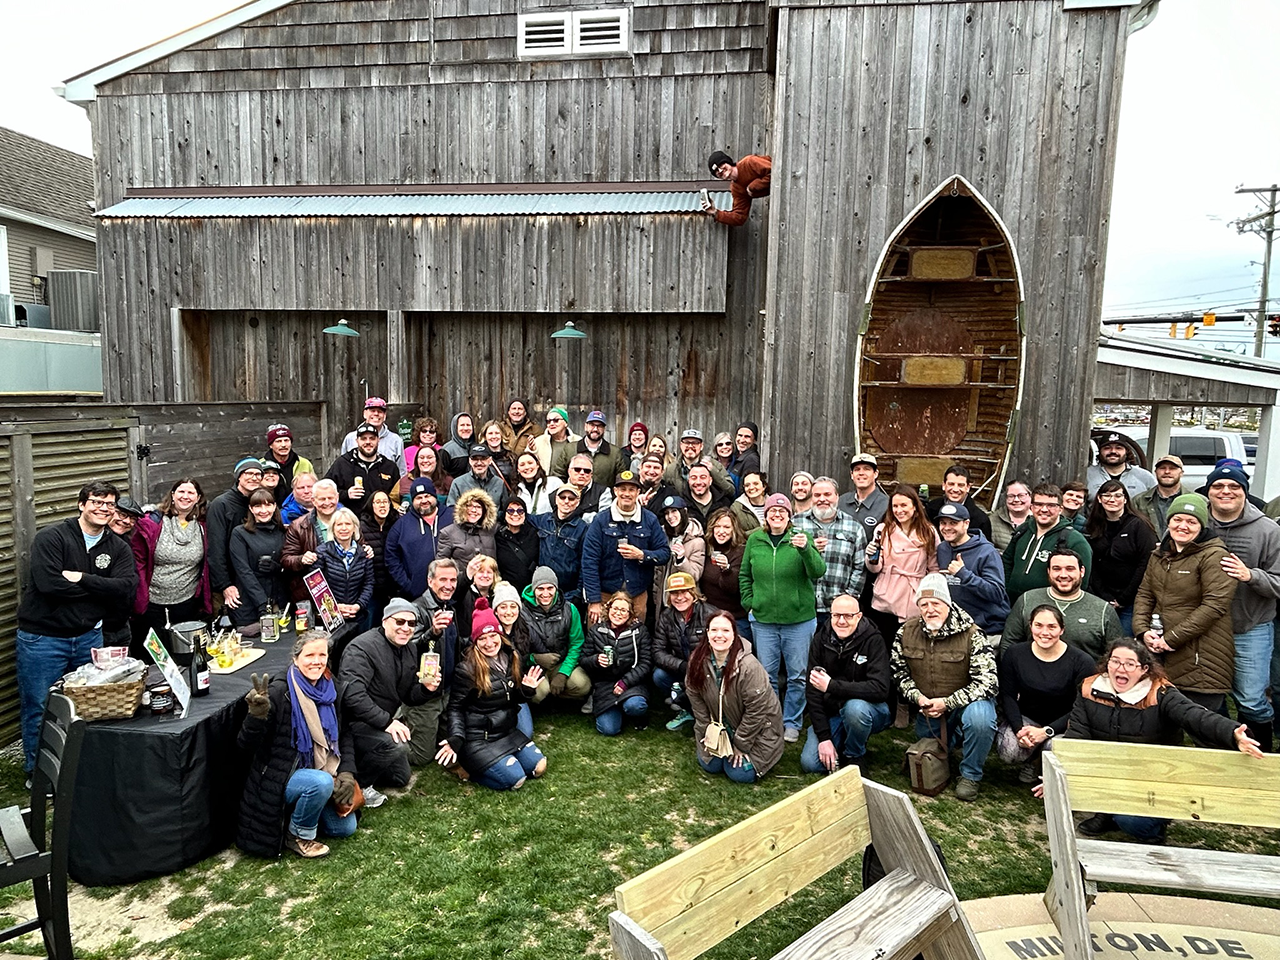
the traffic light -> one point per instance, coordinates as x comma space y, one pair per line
1210, 319
1191, 331
1273, 325
1173, 329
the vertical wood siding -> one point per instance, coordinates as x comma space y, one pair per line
879, 104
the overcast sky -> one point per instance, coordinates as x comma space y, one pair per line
1195, 124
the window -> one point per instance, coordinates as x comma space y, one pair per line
1198, 451
567, 32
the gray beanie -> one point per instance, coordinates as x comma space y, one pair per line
545, 575
503, 593
934, 585
398, 606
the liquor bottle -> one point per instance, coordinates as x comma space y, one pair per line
199, 676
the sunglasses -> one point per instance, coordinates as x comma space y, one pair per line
404, 621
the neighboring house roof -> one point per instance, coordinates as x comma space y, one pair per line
46, 185
83, 87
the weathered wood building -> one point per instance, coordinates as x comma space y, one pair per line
457, 178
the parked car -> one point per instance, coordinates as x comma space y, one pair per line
1199, 448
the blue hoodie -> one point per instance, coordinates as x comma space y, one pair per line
978, 587
410, 548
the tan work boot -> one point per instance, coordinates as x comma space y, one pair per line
310, 849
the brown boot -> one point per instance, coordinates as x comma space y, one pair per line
310, 849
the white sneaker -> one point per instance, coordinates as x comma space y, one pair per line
374, 798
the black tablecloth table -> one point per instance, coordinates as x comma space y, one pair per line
156, 794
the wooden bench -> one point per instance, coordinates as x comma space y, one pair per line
683, 907
1144, 780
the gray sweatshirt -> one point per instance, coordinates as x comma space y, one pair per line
1255, 539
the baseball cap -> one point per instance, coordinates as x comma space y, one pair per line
680, 580
479, 450
595, 416
626, 477
1170, 458
130, 506
953, 511
866, 458
692, 435
375, 403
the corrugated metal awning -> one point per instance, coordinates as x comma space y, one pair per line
409, 205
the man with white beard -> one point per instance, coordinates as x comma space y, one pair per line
840, 540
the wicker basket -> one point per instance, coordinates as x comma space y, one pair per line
107, 701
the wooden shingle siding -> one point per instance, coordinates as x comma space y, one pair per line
625, 128
882, 103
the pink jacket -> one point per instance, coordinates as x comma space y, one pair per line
900, 570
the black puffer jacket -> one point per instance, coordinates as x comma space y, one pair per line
482, 726
1160, 717
674, 637
261, 829
1120, 554
375, 537
517, 554
350, 584
859, 669
632, 663
549, 630
257, 587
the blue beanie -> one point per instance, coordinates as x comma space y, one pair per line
1227, 472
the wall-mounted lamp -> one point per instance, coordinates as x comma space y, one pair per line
570, 332
342, 329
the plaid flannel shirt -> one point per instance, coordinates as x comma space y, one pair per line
845, 556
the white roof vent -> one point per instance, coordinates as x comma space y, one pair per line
588, 31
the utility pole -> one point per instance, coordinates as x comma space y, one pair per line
1268, 232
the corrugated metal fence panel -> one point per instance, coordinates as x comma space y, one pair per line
65, 460
73, 300
8, 599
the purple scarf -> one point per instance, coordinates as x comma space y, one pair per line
324, 694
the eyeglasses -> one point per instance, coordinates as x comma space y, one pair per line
565, 496
252, 474
555, 419
93, 503
1113, 495
1125, 664
845, 616
1046, 506
1017, 496
404, 621
125, 518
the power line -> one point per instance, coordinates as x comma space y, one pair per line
1181, 297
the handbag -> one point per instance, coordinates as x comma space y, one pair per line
715, 740
929, 764
357, 801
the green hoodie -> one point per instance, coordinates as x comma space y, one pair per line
1026, 558
576, 635
777, 583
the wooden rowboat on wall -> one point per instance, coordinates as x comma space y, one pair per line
940, 352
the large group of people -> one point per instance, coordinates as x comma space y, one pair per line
508, 565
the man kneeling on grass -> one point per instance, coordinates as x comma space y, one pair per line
944, 665
848, 689
380, 668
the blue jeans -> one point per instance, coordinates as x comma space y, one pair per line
610, 722
1141, 828
851, 728
776, 643
309, 791
976, 731
744, 628
743, 774
524, 720
512, 770
1253, 673
42, 660
663, 681
1126, 620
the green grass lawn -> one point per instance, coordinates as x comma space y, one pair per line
456, 870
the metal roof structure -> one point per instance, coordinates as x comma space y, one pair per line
436, 205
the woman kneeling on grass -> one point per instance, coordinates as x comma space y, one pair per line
303, 758
483, 708
617, 656
728, 686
